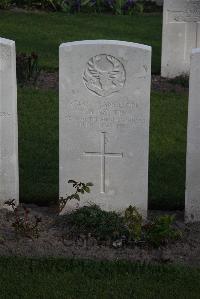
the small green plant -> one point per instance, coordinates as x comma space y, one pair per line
104, 225
80, 188
5, 4
160, 231
139, 7
23, 225
91, 220
111, 226
66, 6
57, 5
120, 7
27, 68
182, 80
133, 220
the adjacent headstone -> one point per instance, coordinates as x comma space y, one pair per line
9, 184
181, 34
104, 121
192, 203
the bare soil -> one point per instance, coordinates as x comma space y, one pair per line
48, 80
165, 85
53, 241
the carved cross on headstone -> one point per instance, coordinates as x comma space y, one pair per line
102, 154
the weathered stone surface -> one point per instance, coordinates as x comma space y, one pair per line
192, 203
181, 34
104, 121
9, 184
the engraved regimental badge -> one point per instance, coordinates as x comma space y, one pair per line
104, 75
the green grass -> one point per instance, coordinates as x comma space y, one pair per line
168, 130
44, 32
70, 279
38, 148
38, 145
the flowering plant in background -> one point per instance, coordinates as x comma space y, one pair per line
27, 68
120, 7
117, 7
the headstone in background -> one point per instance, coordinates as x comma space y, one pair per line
192, 203
9, 181
181, 33
104, 121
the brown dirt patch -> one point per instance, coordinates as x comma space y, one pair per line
165, 85
53, 242
48, 80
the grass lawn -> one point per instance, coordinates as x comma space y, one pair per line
38, 148
70, 279
44, 32
168, 130
38, 145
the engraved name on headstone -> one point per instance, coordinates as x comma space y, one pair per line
181, 33
9, 182
104, 121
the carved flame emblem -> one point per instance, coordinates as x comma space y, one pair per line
104, 75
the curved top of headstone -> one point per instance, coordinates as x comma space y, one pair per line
106, 42
7, 53
183, 2
6, 41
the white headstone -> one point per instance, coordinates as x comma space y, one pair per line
181, 33
192, 203
104, 121
9, 184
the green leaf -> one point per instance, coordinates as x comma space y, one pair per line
76, 196
89, 184
72, 182
87, 189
